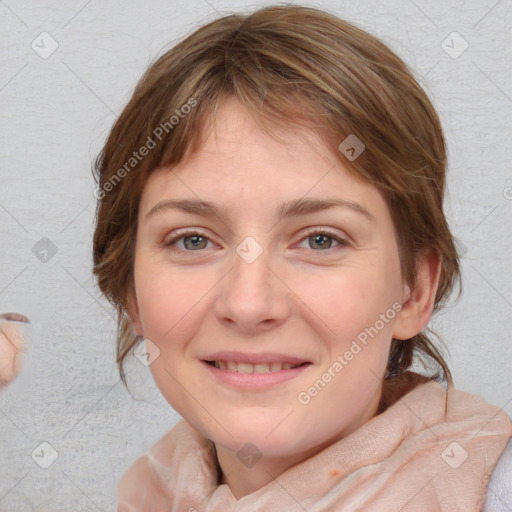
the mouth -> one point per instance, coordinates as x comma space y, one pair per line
244, 367
254, 372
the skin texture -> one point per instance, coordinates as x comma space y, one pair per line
11, 346
304, 296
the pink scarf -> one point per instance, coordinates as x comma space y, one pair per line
430, 451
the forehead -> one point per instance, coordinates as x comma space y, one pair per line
234, 124
240, 161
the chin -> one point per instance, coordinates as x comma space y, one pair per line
269, 440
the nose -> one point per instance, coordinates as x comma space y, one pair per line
252, 298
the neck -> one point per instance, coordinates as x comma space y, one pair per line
243, 480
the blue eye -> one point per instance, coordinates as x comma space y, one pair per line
194, 240
322, 237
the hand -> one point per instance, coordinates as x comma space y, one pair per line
11, 345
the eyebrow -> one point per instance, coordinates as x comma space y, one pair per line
285, 210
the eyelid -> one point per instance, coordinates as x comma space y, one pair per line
180, 233
324, 231
342, 240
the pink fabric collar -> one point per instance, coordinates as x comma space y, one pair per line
431, 451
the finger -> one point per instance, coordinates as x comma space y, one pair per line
15, 317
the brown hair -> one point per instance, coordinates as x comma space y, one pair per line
288, 65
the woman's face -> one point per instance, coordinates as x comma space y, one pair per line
272, 278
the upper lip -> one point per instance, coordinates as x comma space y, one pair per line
260, 358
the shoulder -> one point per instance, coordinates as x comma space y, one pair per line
499, 489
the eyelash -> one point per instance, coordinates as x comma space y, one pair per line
183, 234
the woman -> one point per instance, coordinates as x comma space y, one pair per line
271, 224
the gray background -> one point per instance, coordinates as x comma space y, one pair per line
55, 114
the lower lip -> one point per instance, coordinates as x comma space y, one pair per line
255, 381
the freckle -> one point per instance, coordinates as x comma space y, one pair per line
335, 472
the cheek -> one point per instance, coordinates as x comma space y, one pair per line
350, 299
362, 309
163, 299
169, 304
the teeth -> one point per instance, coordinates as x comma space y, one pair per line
261, 368
254, 368
245, 368
275, 367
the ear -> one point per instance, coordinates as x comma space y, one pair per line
132, 312
419, 299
